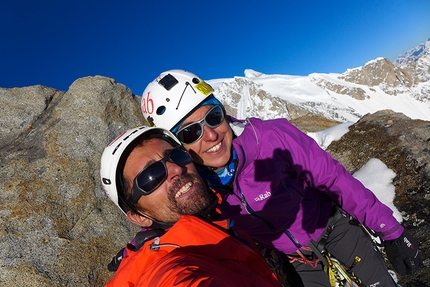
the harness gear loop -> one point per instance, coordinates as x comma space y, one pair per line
302, 258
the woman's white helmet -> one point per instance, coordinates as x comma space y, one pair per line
172, 96
115, 154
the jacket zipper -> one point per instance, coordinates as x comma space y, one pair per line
253, 213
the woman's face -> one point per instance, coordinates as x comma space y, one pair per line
213, 149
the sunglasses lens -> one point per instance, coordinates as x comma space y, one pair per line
190, 133
151, 177
194, 131
215, 117
180, 157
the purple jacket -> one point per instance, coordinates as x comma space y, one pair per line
288, 183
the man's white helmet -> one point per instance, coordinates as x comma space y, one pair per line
172, 96
115, 154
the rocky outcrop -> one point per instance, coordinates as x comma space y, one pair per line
376, 72
383, 73
355, 92
58, 227
23, 106
404, 146
313, 123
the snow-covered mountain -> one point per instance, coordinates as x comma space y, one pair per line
417, 61
402, 86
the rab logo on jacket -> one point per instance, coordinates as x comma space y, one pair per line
263, 196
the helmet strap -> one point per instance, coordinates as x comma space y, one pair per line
206, 212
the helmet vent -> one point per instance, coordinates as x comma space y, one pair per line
168, 82
196, 80
161, 110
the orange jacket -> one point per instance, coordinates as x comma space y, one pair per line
194, 253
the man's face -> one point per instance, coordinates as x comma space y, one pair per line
183, 191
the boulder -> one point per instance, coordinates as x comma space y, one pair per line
403, 145
57, 226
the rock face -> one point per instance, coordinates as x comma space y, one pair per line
404, 146
58, 228
377, 72
24, 106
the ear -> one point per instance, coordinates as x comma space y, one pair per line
138, 219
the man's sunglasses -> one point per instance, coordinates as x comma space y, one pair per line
152, 176
194, 131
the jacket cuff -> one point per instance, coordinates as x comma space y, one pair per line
393, 233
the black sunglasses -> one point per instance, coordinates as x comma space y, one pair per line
152, 176
194, 131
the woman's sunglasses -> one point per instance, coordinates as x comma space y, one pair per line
152, 176
194, 131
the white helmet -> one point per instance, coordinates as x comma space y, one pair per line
173, 95
115, 154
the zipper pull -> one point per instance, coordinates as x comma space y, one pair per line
155, 245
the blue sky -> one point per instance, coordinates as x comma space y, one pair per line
53, 43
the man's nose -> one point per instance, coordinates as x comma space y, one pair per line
174, 170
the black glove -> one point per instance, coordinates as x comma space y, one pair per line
404, 254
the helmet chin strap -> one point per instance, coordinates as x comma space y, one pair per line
161, 225
155, 223
207, 211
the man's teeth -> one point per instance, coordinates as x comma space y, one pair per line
184, 189
215, 148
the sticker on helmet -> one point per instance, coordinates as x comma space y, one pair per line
204, 88
147, 104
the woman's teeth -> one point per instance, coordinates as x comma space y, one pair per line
215, 148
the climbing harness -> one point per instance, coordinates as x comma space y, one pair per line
339, 274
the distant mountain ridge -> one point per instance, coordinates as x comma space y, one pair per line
402, 86
416, 61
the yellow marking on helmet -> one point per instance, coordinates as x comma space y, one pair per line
204, 88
